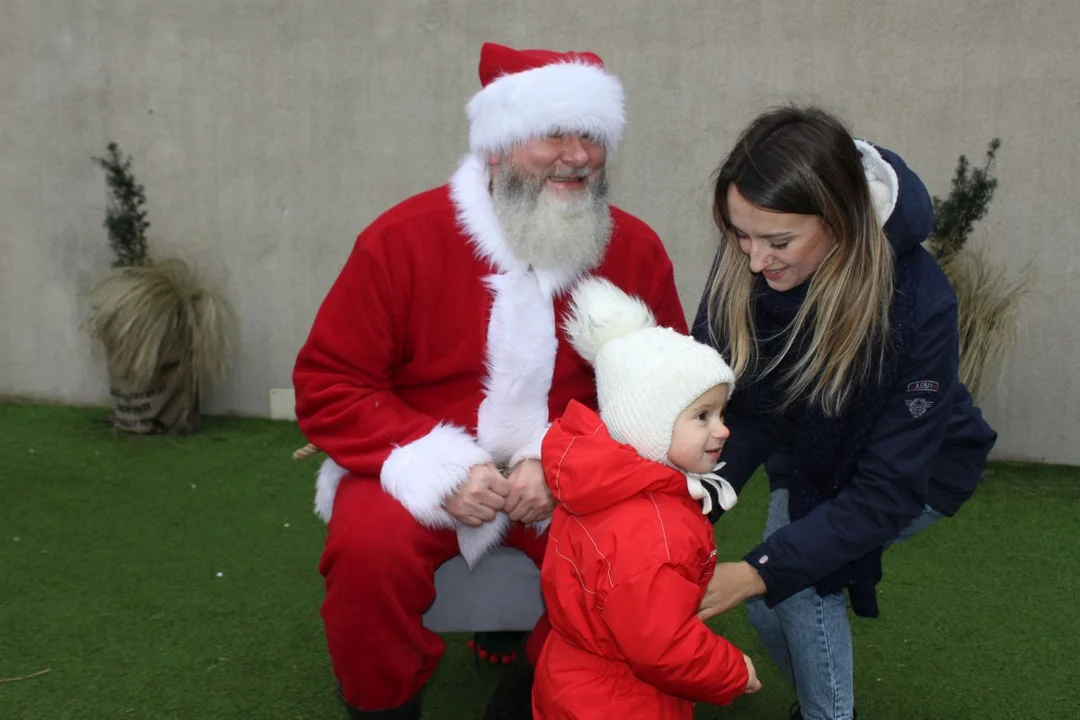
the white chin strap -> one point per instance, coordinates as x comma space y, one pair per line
696, 482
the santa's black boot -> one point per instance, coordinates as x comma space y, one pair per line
512, 699
410, 710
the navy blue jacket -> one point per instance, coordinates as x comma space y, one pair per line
928, 447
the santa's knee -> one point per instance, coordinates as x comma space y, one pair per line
378, 564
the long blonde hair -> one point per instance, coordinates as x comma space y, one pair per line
804, 161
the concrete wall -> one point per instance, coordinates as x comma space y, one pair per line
269, 132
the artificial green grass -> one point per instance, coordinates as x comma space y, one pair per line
177, 578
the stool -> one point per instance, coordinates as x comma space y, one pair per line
501, 593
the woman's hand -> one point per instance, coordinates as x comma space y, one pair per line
731, 584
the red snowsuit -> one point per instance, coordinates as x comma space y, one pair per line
628, 558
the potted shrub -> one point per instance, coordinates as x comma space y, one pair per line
163, 333
988, 299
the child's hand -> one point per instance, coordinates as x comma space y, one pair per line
529, 499
753, 684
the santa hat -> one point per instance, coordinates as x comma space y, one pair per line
531, 93
645, 375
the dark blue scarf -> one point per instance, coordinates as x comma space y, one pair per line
826, 449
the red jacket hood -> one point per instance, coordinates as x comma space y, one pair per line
588, 470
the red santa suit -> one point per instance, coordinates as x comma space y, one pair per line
628, 559
437, 349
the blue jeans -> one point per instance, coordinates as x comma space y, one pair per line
808, 635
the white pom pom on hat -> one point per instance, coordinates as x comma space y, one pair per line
599, 313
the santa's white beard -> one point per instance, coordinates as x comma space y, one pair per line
566, 231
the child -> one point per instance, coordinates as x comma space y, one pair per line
631, 551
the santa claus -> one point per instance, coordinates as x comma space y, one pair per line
437, 362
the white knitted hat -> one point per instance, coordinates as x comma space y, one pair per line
645, 375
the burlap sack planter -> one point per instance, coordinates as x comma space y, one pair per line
169, 405
163, 335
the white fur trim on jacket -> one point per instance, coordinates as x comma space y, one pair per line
521, 346
326, 484
881, 177
422, 474
475, 542
571, 97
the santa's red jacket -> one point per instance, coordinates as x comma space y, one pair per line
437, 349
628, 558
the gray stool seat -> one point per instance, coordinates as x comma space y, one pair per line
501, 593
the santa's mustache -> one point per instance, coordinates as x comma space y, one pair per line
579, 174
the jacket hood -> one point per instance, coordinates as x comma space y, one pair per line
587, 470
911, 217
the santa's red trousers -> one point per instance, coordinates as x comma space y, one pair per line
379, 565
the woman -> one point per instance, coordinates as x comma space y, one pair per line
842, 331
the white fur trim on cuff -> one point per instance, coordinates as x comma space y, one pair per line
422, 474
572, 97
881, 177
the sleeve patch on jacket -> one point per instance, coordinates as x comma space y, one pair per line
918, 406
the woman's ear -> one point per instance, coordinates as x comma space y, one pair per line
830, 238
830, 234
